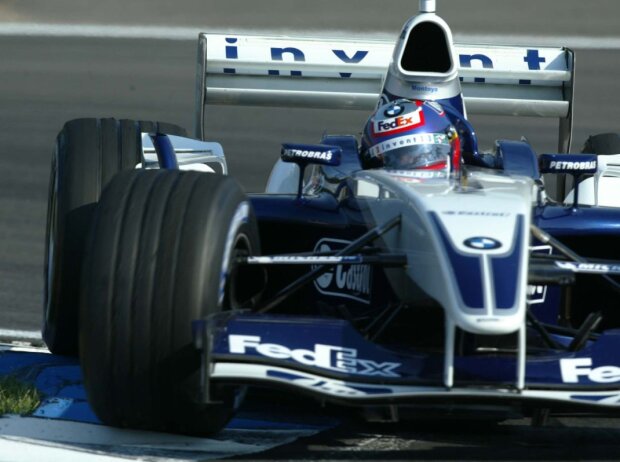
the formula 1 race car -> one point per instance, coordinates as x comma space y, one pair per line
461, 283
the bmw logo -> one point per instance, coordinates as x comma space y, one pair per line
394, 110
482, 243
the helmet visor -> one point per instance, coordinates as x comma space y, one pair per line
414, 151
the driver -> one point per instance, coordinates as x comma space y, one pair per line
410, 135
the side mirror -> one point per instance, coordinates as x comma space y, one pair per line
570, 164
305, 154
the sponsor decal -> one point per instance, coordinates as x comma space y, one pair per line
417, 174
303, 260
424, 88
589, 268
566, 165
476, 213
408, 140
398, 124
593, 268
306, 154
296, 52
330, 357
327, 386
343, 281
538, 294
318, 154
574, 369
333, 387
482, 243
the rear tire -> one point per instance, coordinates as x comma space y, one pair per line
602, 144
160, 255
88, 153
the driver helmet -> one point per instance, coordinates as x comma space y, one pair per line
410, 135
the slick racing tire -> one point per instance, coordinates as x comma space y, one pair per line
162, 253
602, 144
87, 154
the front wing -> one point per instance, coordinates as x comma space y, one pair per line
329, 358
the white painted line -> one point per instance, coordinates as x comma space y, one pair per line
190, 34
23, 348
35, 440
20, 334
53, 408
98, 31
582, 42
24, 450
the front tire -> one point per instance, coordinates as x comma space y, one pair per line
87, 154
161, 253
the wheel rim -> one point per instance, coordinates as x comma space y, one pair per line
233, 236
242, 248
50, 251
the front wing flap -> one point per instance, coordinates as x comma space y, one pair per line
329, 358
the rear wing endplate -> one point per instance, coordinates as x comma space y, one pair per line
348, 74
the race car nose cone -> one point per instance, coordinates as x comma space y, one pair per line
427, 6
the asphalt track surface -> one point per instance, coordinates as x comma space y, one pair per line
48, 80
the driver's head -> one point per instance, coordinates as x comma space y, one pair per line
406, 135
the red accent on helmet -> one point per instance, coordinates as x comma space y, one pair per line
437, 166
456, 153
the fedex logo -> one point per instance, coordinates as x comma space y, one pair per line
398, 124
575, 368
330, 357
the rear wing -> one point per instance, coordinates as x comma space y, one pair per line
348, 74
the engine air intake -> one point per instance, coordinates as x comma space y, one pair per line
427, 50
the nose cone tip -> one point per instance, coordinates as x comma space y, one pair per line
427, 6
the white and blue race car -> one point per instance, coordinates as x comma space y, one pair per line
348, 284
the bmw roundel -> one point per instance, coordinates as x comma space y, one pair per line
394, 110
482, 243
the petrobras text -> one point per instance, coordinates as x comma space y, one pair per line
568, 163
564, 165
574, 369
327, 155
311, 153
332, 357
